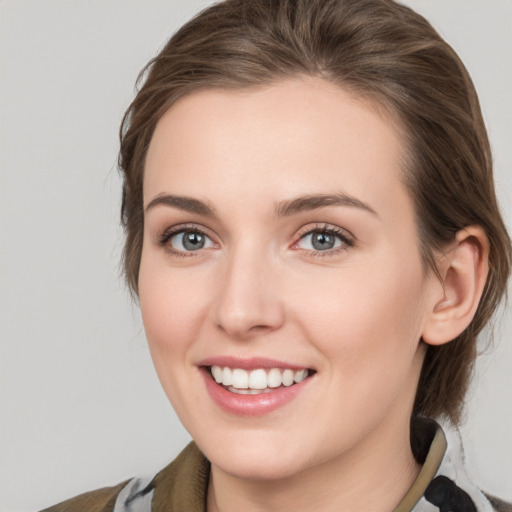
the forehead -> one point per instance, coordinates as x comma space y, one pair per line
286, 139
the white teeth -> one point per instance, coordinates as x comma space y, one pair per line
300, 375
240, 379
274, 378
288, 377
217, 374
256, 381
248, 391
227, 376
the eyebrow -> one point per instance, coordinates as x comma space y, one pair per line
281, 209
187, 204
315, 201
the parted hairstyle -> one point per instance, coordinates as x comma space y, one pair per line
379, 50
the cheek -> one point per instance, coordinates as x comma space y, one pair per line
172, 313
367, 327
172, 302
366, 317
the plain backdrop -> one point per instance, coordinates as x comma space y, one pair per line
81, 406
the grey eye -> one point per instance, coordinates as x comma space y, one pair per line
320, 241
187, 241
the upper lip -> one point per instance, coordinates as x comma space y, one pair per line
252, 363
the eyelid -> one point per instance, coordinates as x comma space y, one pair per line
348, 240
324, 226
166, 235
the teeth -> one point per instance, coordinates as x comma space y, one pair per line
248, 391
227, 376
288, 377
274, 378
256, 381
240, 379
217, 374
300, 375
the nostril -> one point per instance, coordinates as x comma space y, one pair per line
259, 328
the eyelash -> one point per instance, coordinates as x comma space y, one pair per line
347, 240
165, 237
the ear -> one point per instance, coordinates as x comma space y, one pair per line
463, 269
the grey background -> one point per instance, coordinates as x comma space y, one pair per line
81, 406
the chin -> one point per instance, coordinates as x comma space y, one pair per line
268, 469
254, 459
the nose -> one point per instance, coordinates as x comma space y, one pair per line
248, 302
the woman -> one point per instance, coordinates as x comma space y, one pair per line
313, 235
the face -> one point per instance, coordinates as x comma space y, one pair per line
281, 286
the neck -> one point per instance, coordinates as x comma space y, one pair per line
371, 477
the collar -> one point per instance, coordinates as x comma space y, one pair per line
442, 484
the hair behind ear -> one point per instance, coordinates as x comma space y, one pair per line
451, 333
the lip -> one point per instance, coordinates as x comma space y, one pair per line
250, 405
252, 363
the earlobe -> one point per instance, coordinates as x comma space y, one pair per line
464, 271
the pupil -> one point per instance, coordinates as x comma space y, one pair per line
322, 241
193, 241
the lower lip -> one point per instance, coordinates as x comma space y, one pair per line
251, 405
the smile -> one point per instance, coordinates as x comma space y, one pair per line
238, 380
254, 386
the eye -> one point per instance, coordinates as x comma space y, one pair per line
185, 240
325, 239
190, 241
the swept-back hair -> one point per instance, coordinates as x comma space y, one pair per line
379, 50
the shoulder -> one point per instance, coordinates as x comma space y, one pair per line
183, 484
180, 486
100, 500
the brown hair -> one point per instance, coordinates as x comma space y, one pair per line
378, 49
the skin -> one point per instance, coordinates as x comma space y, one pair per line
355, 315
